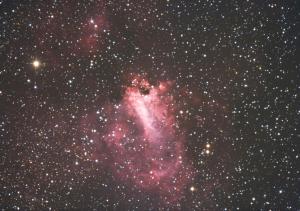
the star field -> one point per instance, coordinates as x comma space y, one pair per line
149, 105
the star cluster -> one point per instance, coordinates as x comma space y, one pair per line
149, 105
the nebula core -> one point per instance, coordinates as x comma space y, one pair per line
142, 145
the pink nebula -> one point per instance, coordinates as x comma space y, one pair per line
143, 142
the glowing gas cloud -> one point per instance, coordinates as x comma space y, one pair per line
142, 144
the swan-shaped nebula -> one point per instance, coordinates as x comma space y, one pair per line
142, 143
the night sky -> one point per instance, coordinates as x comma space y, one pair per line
149, 105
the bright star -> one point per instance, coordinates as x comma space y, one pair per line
192, 188
36, 63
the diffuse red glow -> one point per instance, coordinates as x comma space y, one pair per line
143, 143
